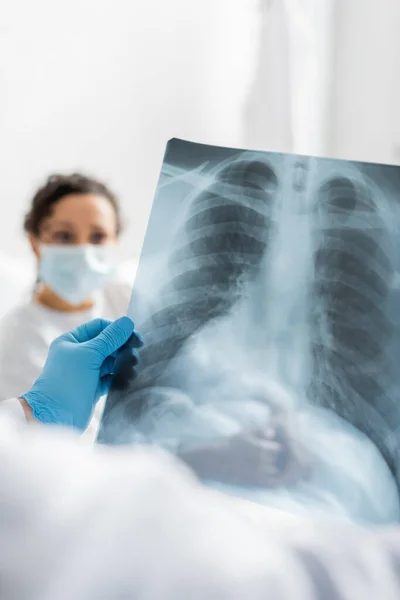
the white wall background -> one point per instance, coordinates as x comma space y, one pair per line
101, 85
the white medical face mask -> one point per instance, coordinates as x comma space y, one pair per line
75, 272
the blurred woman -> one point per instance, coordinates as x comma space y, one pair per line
73, 226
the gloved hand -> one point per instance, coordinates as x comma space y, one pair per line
78, 372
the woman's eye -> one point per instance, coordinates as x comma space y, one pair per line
63, 237
98, 238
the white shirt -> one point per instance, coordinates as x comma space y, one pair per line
28, 330
82, 524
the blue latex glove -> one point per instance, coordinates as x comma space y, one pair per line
78, 372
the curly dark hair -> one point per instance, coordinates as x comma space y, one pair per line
57, 187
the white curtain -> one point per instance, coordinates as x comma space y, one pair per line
364, 120
289, 100
328, 79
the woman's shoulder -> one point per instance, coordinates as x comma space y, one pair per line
23, 318
116, 299
123, 298
23, 310
119, 286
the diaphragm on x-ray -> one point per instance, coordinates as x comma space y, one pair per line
271, 293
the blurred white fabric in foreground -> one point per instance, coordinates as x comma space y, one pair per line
77, 524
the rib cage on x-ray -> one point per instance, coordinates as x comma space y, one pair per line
225, 233
224, 237
353, 371
228, 228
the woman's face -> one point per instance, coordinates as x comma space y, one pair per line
78, 219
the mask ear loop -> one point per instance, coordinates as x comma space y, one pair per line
35, 287
38, 281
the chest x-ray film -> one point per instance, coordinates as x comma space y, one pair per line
272, 330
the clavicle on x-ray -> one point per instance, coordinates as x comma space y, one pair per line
271, 286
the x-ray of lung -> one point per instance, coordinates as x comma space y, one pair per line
271, 287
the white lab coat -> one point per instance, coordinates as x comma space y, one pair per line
83, 524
